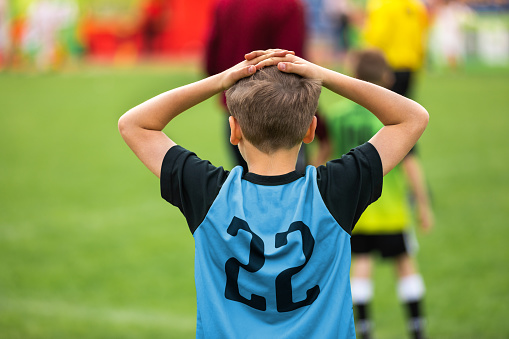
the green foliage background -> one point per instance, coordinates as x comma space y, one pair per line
88, 249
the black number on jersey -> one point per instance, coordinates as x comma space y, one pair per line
284, 291
232, 266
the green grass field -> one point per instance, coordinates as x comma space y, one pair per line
88, 249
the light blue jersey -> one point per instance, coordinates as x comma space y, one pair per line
271, 258
268, 273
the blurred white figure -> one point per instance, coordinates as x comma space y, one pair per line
46, 19
5, 33
447, 39
493, 42
40, 37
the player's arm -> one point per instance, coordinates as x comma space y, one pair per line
141, 127
415, 175
404, 120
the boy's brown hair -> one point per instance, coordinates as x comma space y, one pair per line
274, 109
370, 65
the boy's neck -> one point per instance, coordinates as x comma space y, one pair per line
277, 163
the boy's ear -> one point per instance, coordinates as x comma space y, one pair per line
235, 131
310, 134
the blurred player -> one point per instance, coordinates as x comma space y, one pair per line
399, 29
242, 26
155, 17
448, 38
338, 13
384, 227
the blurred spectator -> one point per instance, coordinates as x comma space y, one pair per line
69, 39
5, 34
447, 38
242, 26
338, 12
46, 22
493, 41
155, 16
399, 29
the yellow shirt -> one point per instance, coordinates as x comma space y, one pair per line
391, 213
399, 29
350, 125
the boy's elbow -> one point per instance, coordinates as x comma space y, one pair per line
424, 118
421, 119
123, 125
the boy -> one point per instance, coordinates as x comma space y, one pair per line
383, 227
272, 246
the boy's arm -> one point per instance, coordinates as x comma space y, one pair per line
141, 127
404, 120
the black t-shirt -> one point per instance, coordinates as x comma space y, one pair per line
347, 185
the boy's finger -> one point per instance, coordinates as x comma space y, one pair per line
253, 54
259, 53
289, 67
282, 53
269, 62
245, 72
273, 60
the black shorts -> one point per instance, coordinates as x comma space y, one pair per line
403, 83
387, 245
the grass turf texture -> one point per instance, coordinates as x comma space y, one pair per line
88, 248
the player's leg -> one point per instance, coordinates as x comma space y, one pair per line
411, 293
410, 285
362, 286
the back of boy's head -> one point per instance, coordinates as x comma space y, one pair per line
274, 109
371, 66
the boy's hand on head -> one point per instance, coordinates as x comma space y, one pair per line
247, 67
271, 52
290, 63
237, 72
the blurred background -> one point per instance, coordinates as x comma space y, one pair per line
55, 34
88, 248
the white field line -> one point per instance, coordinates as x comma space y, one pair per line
102, 314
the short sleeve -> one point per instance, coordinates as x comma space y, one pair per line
350, 184
190, 183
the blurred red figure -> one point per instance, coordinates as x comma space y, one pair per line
154, 22
241, 26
